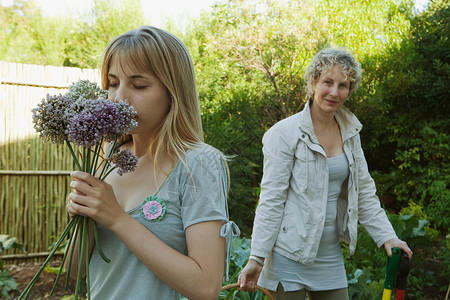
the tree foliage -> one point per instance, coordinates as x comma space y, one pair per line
26, 36
412, 131
15, 40
106, 20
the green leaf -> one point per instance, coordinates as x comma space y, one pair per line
7, 283
7, 243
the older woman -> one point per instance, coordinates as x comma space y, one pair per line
315, 188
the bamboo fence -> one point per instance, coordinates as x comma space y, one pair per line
34, 181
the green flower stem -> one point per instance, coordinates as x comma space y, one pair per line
107, 173
88, 286
85, 159
96, 157
89, 159
62, 263
80, 258
112, 148
74, 156
106, 166
28, 288
97, 243
106, 163
72, 250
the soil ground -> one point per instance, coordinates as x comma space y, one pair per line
24, 272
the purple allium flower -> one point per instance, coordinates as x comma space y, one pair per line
50, 118
125, 161
128, 120
86, 89
107, 115
120, 116
102, 118
83, 129
80, 105
92, 120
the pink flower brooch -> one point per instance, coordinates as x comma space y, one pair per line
153, 209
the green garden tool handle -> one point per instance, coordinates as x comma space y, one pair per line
402, 277
391, 272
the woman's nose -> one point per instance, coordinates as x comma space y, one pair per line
333, 90
119, 94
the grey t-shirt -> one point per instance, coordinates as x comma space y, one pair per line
191, 196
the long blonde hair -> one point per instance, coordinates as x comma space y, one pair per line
159, 52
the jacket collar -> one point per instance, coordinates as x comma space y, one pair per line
348, 122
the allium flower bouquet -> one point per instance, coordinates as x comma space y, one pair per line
85, 121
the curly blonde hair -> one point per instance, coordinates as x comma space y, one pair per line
325, 60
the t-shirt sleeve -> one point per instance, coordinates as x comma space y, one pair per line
204, 192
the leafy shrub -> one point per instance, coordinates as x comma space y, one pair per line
428, 268
361, 286
406, 135
234, 127
7, 282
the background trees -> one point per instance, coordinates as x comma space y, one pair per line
26, 36
250, 57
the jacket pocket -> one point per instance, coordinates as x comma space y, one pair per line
303, 169
292, 233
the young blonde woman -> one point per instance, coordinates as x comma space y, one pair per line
315, 188
161, 224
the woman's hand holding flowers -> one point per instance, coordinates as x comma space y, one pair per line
93, 198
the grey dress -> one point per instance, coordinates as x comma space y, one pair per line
327, 272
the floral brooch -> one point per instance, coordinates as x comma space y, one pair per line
153, 209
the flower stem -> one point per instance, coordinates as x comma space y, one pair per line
88, 287
106, 161
28, 288
62, 263
85, 161
74, 156
97, 243
72, 250
80, 258
107, 173
88, 160
96, 157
